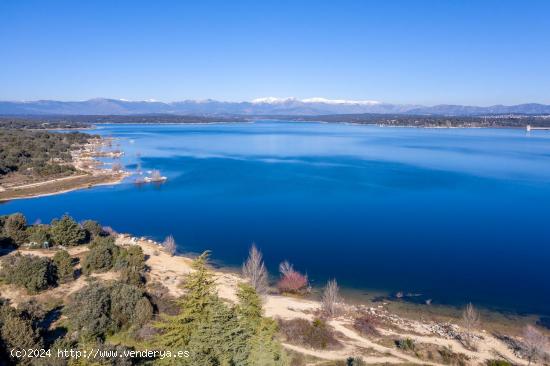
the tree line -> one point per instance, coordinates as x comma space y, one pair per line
38, 153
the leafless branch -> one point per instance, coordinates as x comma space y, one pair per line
169, 245
470, 319
536, 343
285, 268
330, 299
254, 271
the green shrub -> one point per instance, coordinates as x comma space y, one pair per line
132, 263
64, 264
406, 344
366, 325
32, 272
124, 300
32, 310
93, 229
498, 363
89, 312
101, 240
67, 232
15, 227
161, 299
316, 334
16, 332
39, 235
131, 257
452, 358
101, 309
355, 361
101, 256
131, 277
143, 312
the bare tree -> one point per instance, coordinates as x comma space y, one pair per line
470, 320
330, 299
109, 230
536, 344
169, 245
117, 167
254, 271
285, 268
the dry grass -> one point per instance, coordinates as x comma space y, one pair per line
60, 185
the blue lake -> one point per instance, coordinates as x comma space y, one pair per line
457, 215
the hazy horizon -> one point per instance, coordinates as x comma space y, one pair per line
259, 100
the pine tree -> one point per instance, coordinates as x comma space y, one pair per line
265, 350
15, 228
64, 265
250, 304
67, 232
220, 339
215, 333
262, 348
200, 294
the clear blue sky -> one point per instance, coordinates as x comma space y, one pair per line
429, 52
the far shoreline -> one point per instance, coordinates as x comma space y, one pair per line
88, 174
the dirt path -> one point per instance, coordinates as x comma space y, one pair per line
169, 271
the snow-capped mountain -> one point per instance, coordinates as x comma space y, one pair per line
260, 106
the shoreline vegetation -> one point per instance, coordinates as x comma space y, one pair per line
384, 120
40, 170
99, 288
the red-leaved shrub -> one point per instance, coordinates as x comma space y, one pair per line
293, 282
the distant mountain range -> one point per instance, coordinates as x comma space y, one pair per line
261, 106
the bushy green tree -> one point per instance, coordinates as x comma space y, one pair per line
131, 261
5, 241
250, 304
93, 229
2, 222
39, 234
15, 227
102, 240
16, 332
219, 338
102, 255
101, 309
263, 348
200, 294
131, 277
131, 257
89, 312
32, 310
143, 312
32, 272
64, 265
124, 300
67, 232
